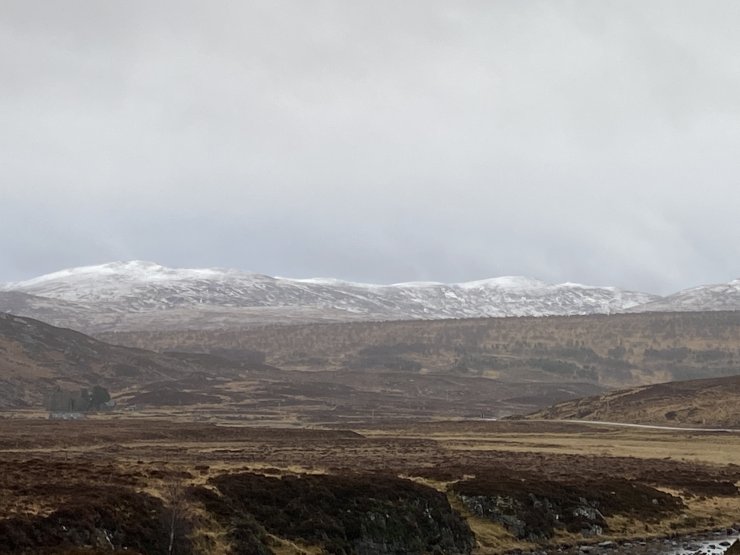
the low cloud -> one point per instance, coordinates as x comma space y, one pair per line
574, 141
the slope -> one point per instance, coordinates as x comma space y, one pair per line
705, 403
145, 296
718, 296
615, 351
35, 358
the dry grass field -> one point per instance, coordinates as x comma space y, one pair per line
450, 486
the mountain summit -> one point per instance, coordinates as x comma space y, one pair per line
718, 296
144, 295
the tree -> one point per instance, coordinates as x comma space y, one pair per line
98, 397
174, 496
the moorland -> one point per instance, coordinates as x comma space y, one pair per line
369, 438
137, 484
618, 350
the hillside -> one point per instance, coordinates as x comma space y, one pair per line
613, 351
35, 358
710, 402
146, 296
718, 296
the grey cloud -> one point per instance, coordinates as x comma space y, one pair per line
377, 141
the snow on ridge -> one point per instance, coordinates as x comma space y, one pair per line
132, 270
711, 297
573, 285
507, 282
331, 282
138, 287
127, 293
66, 274
416, 284
140, 270
145, 271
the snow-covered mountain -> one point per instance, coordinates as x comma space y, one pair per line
718, 296
144, 295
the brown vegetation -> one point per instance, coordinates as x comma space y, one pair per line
128, 484
344, 513
36, 359
617, 350
709, 403
347, 373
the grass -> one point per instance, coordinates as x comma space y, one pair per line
42, 465
491, 537
704, 447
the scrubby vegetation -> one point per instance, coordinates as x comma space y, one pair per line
115, 485
352, 513
98, 518
616, 350
533, 508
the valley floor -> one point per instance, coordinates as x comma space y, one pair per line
155, 485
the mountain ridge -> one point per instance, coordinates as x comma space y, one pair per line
140, 295
718, 296
151, 271
144, 295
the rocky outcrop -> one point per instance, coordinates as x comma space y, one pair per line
358, 514
98, 520
533, 509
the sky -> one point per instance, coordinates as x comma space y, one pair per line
587, 141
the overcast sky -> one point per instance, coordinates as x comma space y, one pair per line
381, 141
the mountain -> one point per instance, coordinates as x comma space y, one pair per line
711, 402
71, 314
36, 358
719, 296
146, 296
615, 351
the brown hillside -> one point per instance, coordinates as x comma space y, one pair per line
35, 358
711, 402
619, 350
